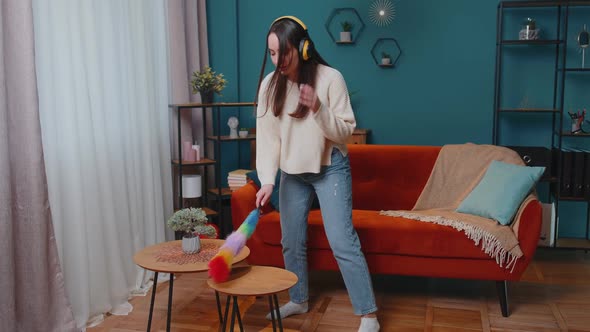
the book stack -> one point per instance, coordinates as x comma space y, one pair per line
237, 179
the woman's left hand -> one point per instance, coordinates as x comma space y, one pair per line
308, 97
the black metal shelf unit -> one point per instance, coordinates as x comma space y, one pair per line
218, 193
531, 42
563, 10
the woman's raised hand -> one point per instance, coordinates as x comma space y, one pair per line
308, 97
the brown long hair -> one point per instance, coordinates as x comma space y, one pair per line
290, 34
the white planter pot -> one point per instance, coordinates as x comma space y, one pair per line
345, 36
243, 133
385, 61
191, 245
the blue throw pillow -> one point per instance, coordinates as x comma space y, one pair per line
274, 196
501, 191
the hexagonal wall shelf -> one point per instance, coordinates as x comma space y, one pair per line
349, 15
386, 46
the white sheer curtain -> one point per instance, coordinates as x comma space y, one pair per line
103, 95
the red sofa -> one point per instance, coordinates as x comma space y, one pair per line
389, 177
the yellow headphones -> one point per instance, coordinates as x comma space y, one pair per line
305, 45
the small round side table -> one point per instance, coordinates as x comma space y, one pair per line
255, 281
151, 258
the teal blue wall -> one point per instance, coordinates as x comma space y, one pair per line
440, 92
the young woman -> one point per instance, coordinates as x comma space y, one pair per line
304, 119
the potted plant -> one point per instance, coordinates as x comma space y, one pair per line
345, 34
385, 59
243, 133
192, 222
206, 83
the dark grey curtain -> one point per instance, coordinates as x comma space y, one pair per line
31, 283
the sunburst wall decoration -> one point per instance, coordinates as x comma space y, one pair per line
381, 12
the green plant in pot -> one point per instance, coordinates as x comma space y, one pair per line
193, 223
206, 83
243, 132
346, 33
385, 59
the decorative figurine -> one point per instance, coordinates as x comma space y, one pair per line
233, 123
529, 30
577, 121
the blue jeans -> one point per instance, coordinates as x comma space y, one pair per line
333, 186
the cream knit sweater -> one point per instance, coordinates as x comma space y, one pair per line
303, 145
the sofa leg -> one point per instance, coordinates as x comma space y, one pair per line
502, 288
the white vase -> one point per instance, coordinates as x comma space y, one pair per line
386, 61
529, 34
345, 36
191, 245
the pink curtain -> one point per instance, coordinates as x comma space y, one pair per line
189, 52
187, 25
31, 282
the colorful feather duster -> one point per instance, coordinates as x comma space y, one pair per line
220, 264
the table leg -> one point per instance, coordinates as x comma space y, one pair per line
233, 314
218, 307
238, 313
276, 299
170, 291
235, 311
152, 302
272, 313
224, 325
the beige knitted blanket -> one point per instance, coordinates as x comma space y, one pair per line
457, 170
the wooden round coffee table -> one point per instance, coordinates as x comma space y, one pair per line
168, 257
255, 281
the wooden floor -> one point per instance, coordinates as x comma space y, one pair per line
554, 295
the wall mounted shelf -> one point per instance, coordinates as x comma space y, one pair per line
390, 46
347, 14
531, 42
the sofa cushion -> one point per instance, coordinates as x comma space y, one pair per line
383, 235
501, 191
